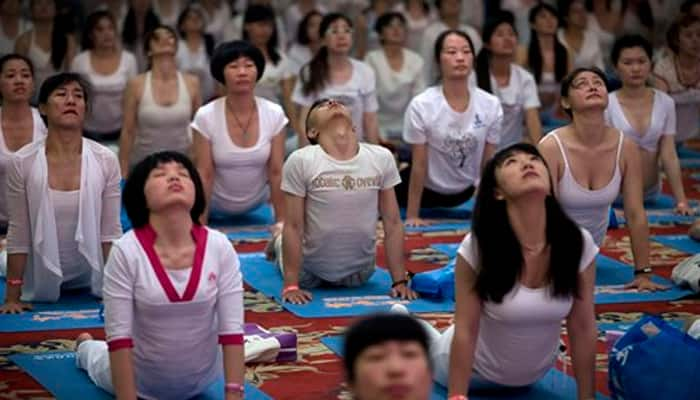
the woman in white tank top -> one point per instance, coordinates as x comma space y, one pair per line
648, 117
12, 24
158, 104
239, 138
509, 303
584, 155
48, 45
20, 123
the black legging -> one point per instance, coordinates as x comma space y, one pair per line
430, 198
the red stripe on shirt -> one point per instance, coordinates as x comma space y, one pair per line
118, 344
146, 236
235, 339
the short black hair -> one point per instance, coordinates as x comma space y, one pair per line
569, 79
674, 31
14, 56
90, 24
227, 52
134, 198
316, 104
688, 5
386, 19
63, 78
302, 34
378, 329
260, 13
630, 41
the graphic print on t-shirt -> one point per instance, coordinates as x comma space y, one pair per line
347, 182
459, 144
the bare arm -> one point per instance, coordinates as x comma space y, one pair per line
416, 181
361, 37
205, 166
289, 107
489, 151
122, 368
22, 43
292, 234
371, 127
274, 172
393, 242
552, 156
234, 367
466, 328
16, 263
583, 334
671, 165
132, 94
635, 214
534, 125
301, 124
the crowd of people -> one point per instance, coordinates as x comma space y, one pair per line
337, 113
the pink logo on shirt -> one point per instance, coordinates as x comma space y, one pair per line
212, 277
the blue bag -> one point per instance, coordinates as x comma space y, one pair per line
654, 360
438, 283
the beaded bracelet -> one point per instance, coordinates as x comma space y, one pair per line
234, 388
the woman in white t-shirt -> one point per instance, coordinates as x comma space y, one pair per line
419, 15
648, 117
332, 73
514, 86
276, 83
678, 74
195, 48
20, 124
399, 74
453, 130
173, 292
239, 138
523, 269
575, 35
108, 68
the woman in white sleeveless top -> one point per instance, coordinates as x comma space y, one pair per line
195, 48
158, 104
239, 138
584, 155
20, 124
648, 117
48, 44
108, 68
63, 199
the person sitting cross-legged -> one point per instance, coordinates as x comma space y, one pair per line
334, 191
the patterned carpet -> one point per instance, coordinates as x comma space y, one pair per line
318, 373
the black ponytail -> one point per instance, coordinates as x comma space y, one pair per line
483, 70
315, 74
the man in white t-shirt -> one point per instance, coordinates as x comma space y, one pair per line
334, 193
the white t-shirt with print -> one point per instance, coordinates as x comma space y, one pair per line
342, 203
395, 89
519, 337
455, 140
358, 94
240, 174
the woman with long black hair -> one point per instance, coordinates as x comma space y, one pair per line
334, 74
523, 269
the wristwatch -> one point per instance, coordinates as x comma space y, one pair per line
645, 270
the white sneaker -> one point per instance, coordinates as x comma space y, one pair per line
399, 308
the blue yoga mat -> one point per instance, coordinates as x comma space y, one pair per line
263, 215
249, 235
664, 219
625, 326
684, 152
75, 310
554, 386
462, 211
328, 302
439, 227
690, 162
662, 202
58, 374
611, 276
678, 242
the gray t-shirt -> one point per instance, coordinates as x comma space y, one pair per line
342, 206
